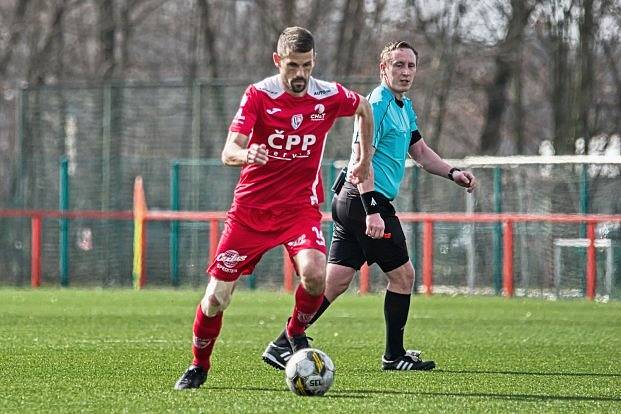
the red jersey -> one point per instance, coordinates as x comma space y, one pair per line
294, 130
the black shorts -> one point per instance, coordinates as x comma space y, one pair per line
351, 247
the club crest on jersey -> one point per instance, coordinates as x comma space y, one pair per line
296, 120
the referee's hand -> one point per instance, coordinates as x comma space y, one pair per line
375, 226
465, 179
359, 172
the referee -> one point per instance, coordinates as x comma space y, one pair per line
366, 228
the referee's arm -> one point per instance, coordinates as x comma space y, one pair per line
432, 163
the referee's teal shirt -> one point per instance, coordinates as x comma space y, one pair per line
392, 133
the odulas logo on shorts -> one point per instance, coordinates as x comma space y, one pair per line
230, 258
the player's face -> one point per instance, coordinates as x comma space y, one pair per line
295, 70
398, 73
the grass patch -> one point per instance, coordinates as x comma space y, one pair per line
122, 350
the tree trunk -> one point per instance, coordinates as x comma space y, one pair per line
562, 81
106, 29
615, 70
506, 61
209, 38
15, 33
585, 93
317, 8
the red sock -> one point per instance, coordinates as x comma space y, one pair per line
305, 308
206, 331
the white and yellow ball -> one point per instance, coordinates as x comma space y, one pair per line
309, 372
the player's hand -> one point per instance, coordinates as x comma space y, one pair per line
375, 226
360, 172
257, 154
465, 179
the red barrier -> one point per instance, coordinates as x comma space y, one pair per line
428, 220
213, 239
591, 264
427, 257
364, 279
139, 271
507, 258
287, 271
37, 216
35, 254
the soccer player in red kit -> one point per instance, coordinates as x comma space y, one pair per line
278, 135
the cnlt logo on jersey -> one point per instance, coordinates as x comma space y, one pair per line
296, 120
319, 114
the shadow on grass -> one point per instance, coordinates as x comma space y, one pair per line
552, 374
332, 394
521, 397
362, 393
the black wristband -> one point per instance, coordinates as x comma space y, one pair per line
370, 202
450, 173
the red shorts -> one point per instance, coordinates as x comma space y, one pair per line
250, 232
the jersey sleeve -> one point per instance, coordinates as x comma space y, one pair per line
413, 119
380, 109
246, 115
349, 101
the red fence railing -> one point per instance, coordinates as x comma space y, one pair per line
428, 220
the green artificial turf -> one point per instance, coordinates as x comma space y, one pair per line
121, 351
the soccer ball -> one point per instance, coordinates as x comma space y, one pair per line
309, 372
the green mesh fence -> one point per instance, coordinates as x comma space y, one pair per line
111, 134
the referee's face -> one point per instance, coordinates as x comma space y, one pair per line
295, 70
399, 71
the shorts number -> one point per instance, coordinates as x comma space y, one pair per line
320, 240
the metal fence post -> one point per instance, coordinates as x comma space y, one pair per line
63, 201
173, 245
497, 240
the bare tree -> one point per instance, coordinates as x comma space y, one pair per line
316, 9
615, 70
106, 28
350, 26
16, 30
584, 100
209, 38
505, 63
131, 14
559, 20
442, 32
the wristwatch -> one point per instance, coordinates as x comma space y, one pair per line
450, 173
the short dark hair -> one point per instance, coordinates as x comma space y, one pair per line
295, 39
394, 46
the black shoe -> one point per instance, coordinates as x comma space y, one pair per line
299, 342
193, 377
410, 361
276, 355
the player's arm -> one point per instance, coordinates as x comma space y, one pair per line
236, 151
364, 120
432, 163
374, 221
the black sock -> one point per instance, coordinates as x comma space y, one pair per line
282, 339
396, 308
321, 310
